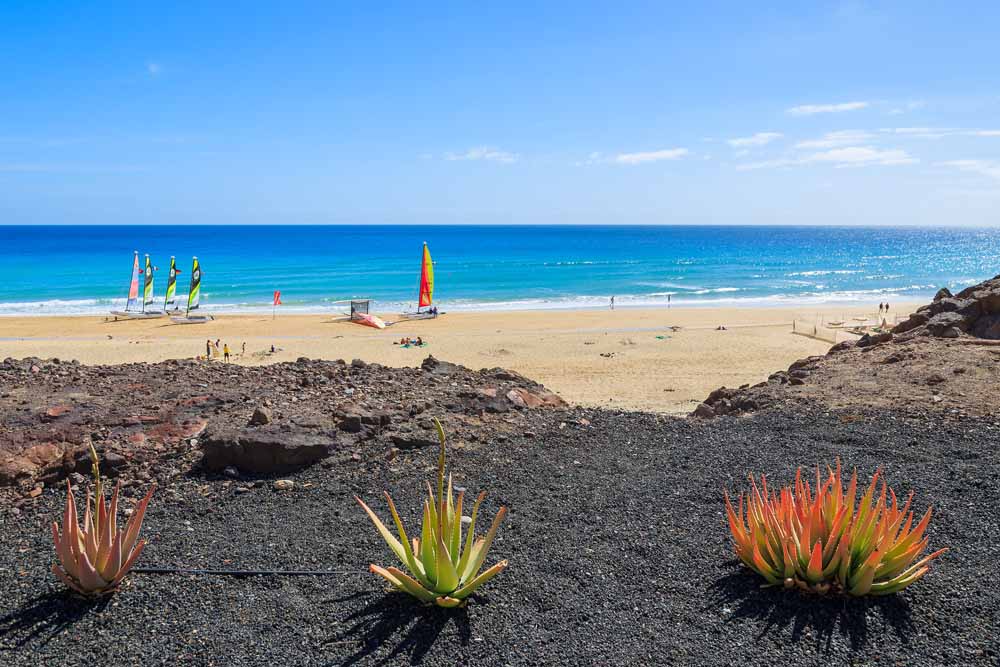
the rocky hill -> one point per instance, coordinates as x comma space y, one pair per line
945, 357
155, 420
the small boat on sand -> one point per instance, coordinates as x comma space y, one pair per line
131, 312
425, 289
194, 296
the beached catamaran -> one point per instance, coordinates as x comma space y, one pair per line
194, 297
134, 310
170, 298
425, 289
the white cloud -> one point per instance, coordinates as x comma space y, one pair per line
909, 106
850, 156
651, 156
154, 69
836, 139
983, 167
758, 139
487, 153
986, 133
810, 109
862, 155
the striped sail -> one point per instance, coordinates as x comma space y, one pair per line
147, 285
133, 286
194, 293
426, 279
170, 300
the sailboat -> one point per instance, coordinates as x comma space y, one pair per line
132, 301
194, 296
425, 289
170, 298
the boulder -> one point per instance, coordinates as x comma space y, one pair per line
941, 322
703, 411
916, 320
942, 293
987, 326
438, 367
263, 450
262, 416
869, 340
415, 439
539, 398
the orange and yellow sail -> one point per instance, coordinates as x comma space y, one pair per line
426, 279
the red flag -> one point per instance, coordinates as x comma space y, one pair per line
277, 297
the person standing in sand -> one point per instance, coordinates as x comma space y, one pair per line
612, 303
244, 351
208, 350
225, 352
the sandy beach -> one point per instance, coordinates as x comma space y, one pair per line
628, 358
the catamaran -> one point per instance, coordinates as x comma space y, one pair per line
133, 309
194, 296
425, 289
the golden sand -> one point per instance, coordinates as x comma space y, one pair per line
628, 358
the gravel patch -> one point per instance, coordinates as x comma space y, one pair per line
616, 537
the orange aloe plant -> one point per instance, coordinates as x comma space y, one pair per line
94, 558
823, 542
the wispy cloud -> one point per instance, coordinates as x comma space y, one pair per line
758, 139
850, 156
939, 132
983, 167
810, 109
651, 156
837, 139
59, 168
487, 153
909, 106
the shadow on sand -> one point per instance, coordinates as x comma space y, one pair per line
400, 625
738, 596
44, 617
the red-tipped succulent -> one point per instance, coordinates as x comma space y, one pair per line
95, 557
823, 542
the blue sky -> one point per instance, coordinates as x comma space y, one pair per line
575, 112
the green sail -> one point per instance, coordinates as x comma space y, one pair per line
194, 293
147, 288
170, 299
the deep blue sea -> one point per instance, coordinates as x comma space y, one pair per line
85, 269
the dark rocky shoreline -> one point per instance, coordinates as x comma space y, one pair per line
616, 537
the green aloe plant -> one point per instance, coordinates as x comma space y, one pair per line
444, 572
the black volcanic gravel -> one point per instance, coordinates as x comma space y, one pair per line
616, 537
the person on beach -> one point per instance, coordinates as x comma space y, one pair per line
420, 341
612, 303
243, 353
668, 301
880, 307
208, 350
225, 352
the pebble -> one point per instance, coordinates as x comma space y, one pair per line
283, 485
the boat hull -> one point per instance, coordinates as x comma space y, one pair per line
418, 316
139, 315
369, 321
197, 319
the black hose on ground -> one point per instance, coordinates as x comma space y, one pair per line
245, 573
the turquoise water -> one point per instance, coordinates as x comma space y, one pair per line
85, 269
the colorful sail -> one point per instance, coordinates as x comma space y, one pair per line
133, 286
170, 299
147, 285
426, 279
194, 293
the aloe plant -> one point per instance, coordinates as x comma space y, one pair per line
94, 558
824, 543
443, 566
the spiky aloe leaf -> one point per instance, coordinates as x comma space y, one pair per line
820, 537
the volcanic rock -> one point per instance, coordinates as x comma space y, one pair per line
263, 450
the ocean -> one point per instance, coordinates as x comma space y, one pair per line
85, 269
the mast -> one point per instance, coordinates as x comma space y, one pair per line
420, 277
